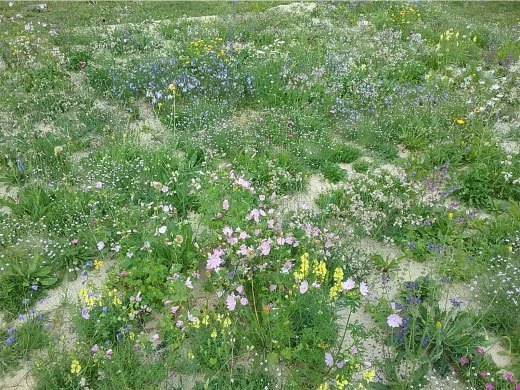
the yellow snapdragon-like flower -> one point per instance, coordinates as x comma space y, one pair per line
75, 367
226, 323
214, 333
338, 275
98, 264
320, 269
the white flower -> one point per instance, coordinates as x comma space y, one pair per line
100, 245
162, 230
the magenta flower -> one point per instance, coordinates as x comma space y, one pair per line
464, 360
394, 321
489, 386
329, 360
244, 301
304, 286
231, 302
108, 354
480, 350
508, 376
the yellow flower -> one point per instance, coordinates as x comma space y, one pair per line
341, 382
338, 275
323, 386
214, 333
226, 323
450, 216
369, 375
205, 320
510, 248
460, 121
172, 88
98, 264
75, 367
320, 269
438, 324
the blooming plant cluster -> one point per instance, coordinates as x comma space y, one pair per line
292, 196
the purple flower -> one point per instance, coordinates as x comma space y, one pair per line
329, 360
34, 287
464, 360
85, 314
10, 340
108, 354
508, 376
225, 205
95, 348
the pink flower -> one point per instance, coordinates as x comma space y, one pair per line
517, 387
464, 360
508, 376
225, 205
165, 189
489, 386
480, 350
244, 301
265, 247
484, 374
155, 337
74, 241
174, 309
95, 348
227, 231
108, 354
349, 284
214, 260
363, 289
231, 302
329, 360
304, 286
99, 185
394, 321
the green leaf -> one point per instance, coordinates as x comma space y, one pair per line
48, 281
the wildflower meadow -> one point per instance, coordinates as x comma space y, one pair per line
259, 195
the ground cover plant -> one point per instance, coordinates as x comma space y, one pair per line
259, 195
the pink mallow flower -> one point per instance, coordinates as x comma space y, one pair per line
394, 321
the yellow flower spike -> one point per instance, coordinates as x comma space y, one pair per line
338, 275
323, 386
450, 216
438, 324
460, 121
75, 367
214, 333
510, 248
205, 320
226, 323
